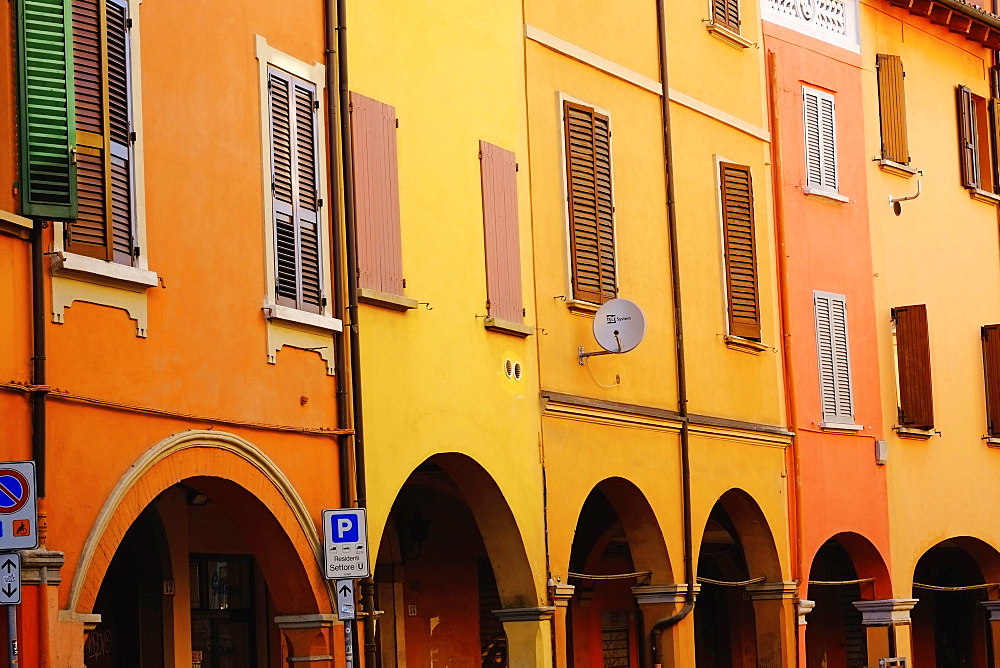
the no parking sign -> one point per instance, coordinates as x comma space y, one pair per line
18, 506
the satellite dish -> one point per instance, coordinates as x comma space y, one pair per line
619, 326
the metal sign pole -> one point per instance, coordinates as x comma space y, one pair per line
12, 635
348, 644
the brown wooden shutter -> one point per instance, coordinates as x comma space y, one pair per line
89, 234
591, 210
913, 354
120, 134
727, 13
741, 257
967, 138
892, 108
500, 227
991, 373
376, 195
295, 200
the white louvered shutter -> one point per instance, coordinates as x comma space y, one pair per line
834, 357
819, 119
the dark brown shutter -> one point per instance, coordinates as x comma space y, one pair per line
500, 230
967, 138
741, 257
295, 201
591, 212
376, 195
991, 372
727, 13
892, 108
913, 354
89, 234
120, 134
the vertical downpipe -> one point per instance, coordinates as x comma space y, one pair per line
39, 435
682, 399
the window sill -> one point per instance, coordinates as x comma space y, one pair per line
111, 274
582, 308
840, 426
992, 441
294, 316
745, 345
15, 225
909, 432
897, 169
508, 327
386, 300
825, 195
984, 196
728, 35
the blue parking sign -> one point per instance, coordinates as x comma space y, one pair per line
345, 544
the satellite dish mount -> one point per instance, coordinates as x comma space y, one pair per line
619, 326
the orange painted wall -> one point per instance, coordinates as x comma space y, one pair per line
828, 249
205, 353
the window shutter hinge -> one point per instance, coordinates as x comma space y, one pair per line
397, 122
517, 167
135, 252
404, 282
128, 24
319, 200
524, 312
480, 155
322, 301
131, 137
316, 105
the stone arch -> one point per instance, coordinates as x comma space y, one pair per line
474, 486
754, 533
867, 560
647, 545
239, 473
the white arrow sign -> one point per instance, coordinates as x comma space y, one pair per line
10, 578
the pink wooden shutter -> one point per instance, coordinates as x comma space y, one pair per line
376, 195
503, 261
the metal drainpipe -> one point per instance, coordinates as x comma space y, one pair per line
784, 308
682, 399
38, 397
352, 455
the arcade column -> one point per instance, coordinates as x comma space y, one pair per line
887, 627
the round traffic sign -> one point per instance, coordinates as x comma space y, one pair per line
14, 491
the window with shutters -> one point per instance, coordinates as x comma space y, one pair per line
820, 123
836, 395
104, 226
504, 302
740, 250
297, 231
892, 109
913, 368
991, 375
376, 203
587, 137
81, 148
977, 128
727, 14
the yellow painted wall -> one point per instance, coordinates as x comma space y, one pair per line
942, 252
434, 377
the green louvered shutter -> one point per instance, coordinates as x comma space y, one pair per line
47, 133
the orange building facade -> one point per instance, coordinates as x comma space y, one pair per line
189, 438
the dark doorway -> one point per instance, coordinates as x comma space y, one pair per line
222, 610
834, 634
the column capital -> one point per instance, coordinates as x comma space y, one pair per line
538, 614
992, 607
32, 562
773, 591
315, 621
562, 593
804, 607
668, 593
885, 612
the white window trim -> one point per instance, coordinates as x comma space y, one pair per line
820, 189
289, 326
80, 278
575, 304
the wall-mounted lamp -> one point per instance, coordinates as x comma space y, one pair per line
895, 201
418, 527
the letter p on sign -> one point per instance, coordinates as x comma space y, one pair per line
345, 528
